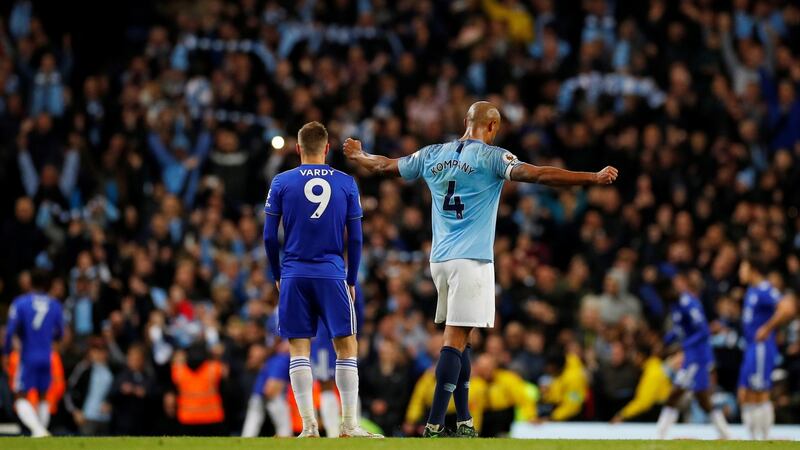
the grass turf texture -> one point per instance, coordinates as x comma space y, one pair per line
194, 443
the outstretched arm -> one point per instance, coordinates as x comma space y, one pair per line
553, 176
376, 164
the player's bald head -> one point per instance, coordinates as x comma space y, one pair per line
482, 114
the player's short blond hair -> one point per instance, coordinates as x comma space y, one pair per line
312, 138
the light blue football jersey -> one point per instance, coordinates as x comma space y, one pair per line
465, 179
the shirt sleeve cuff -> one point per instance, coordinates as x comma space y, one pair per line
509, 168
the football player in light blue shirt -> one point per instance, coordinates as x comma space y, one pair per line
465, 177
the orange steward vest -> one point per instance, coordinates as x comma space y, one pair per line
199, 402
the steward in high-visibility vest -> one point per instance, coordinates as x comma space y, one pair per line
198, 398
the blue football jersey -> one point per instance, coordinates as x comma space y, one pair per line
314, 203
465, 179
690, 326
759, 305
36, 319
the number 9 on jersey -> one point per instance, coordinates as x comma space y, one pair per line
322, 199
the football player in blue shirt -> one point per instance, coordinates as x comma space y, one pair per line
690, 327
36, 319
323, 367
465, 177
763, 311
317, 205
269, 394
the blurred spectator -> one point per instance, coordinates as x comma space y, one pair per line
529, 360
507, 398
131, 396
652, 390
566, 388
616, 302
385, 387
88, 392
617, 380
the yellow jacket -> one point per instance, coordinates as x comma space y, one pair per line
568, 390
653, 388
506, 390
422, 398
518, 20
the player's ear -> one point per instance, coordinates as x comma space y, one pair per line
297, 148
327, 148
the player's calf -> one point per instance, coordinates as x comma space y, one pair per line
302, 384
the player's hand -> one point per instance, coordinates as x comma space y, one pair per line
352, 291
617, 419
606, 176
352, 147
763, 333
278, 285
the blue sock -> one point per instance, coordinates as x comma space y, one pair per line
447, 371
461, 394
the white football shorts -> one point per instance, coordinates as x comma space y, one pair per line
466, 292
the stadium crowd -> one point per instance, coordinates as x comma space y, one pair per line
140, 186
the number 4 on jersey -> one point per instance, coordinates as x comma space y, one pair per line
456, 206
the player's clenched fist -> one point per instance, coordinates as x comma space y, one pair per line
352, 147
607, 175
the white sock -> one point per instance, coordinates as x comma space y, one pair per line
766, 418
749, 419
44, 413
347, 382
254, 418
666, 419
27, 415
720, 423
329, 411
302, 386
278, 409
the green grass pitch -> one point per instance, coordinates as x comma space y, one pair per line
194, 443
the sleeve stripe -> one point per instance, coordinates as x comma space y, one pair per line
509, 168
